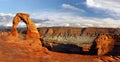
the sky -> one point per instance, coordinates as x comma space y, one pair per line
75, 13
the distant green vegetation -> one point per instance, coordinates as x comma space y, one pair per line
77, 40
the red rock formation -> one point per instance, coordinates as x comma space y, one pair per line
32, 31
105, 43
50, 31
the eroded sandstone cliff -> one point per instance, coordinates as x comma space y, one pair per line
71, 39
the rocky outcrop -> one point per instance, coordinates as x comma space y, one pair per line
105, 43
59, 38
32, 36
20, 52
32, 31
106, 38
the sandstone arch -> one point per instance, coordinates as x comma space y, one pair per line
32, 31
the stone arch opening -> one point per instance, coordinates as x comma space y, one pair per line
32, 31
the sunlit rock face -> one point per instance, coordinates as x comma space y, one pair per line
105, 43
83, 39
32, 31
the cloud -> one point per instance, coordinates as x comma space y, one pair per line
7, 19
70, 7
68, 19
8, 14
50, 19
111, 7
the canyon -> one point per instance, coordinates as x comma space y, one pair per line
58, 44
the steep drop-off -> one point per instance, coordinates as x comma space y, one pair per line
77, 40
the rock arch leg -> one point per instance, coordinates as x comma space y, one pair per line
14, 31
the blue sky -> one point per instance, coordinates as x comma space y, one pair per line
14, 6
80, 13
35, 5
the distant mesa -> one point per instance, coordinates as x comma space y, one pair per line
98, 41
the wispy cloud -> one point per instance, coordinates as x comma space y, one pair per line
111, 7
70, 7
8, 14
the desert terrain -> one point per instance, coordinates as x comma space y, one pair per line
60, 44
60, 31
